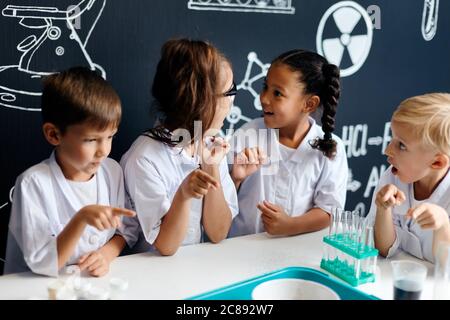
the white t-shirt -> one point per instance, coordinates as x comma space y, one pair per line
308, 179
86, 191
410, 237
153, 173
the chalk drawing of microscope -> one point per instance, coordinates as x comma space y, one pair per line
58, 47
10, 198
265, 6
430, 19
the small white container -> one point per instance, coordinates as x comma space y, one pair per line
97, 293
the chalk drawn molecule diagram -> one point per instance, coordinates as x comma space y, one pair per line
236, 115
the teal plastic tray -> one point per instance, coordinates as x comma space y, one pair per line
243, 290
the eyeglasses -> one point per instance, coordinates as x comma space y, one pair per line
232, 91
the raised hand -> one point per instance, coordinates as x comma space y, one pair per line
213, 150
428, 216
197, 184
246, 163
389, 196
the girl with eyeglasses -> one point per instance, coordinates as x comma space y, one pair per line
176, 175
293, 188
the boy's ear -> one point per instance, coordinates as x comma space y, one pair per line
440, 161
51, 133
312, 103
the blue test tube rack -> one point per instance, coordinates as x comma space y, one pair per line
352, 261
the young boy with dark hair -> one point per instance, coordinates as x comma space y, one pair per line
67, 208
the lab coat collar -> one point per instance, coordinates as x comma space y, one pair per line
304, 146
440, 195
181, 157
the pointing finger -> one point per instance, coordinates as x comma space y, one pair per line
123, 212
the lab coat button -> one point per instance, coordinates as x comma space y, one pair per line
191, 230
93, 239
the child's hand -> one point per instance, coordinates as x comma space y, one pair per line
389, 196
247, 162
197, 184
213, 150
429, 216
103, 217
95, 262
276, 221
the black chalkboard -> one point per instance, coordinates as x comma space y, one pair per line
388, 50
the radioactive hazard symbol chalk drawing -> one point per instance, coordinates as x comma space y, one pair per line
344, 36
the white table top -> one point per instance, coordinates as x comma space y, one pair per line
200, 268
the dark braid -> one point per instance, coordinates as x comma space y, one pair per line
329, 97
322, 79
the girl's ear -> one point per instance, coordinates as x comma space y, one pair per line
51, 133
312, 103
440, 161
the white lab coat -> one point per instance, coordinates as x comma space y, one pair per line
307, 180
153, 173
410, 237
42, 206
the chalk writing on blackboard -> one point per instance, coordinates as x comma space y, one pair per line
352, 184
263, 6
356, 140
45, 54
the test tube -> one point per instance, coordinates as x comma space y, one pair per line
357, 268
362, 233
332, 227
355, 225
326, 252
369, 237
369, 263
347, 225
337, 221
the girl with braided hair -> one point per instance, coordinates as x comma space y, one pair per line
311, 166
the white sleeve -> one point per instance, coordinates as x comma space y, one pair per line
129, 229
148, 195
331, 190
229, 189
31, 228
398, 235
